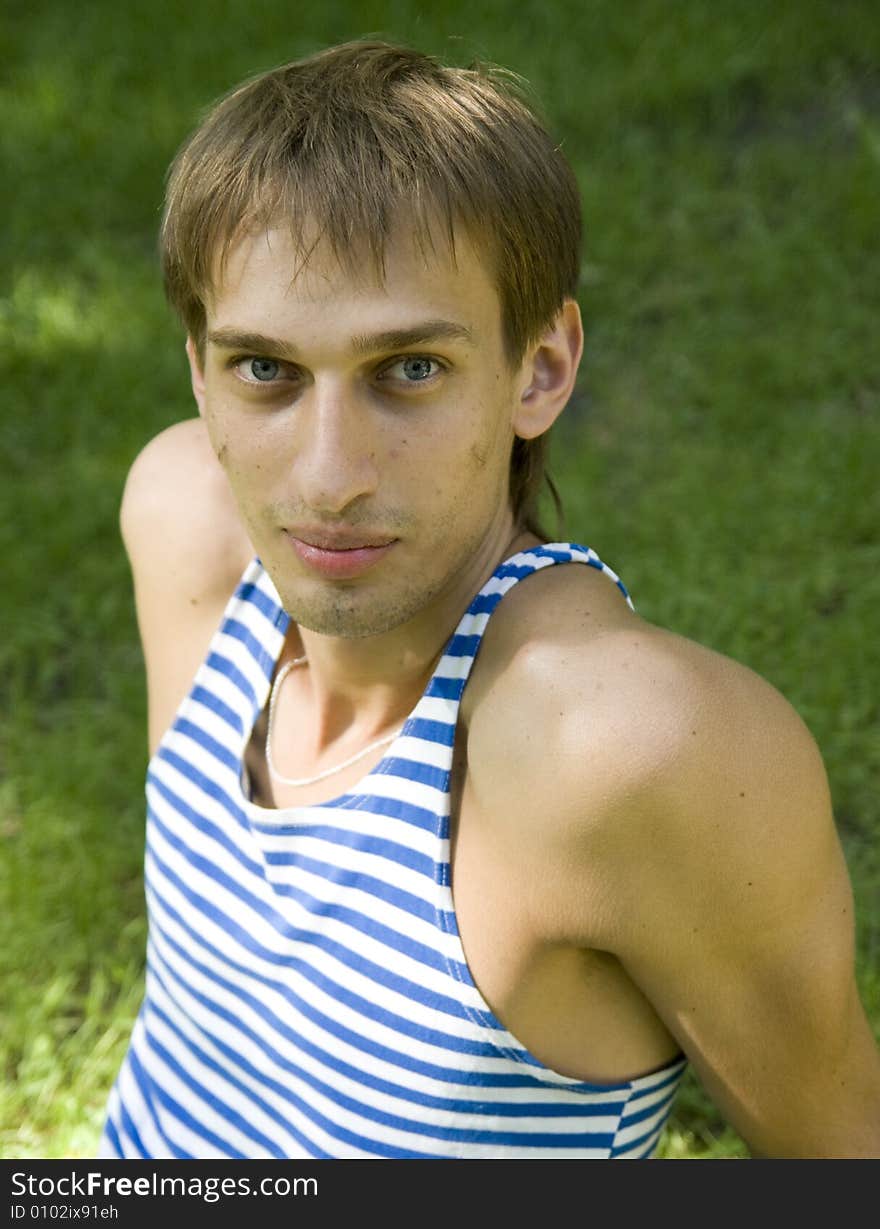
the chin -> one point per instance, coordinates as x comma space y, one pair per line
350, 614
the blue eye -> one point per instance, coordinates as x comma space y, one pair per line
416, 369
264, 369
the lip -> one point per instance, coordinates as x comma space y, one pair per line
341, 555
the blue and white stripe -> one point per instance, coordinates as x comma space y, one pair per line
307, 992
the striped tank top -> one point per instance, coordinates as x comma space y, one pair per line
307, 994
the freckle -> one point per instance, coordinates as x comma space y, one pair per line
749, 884
693, 731
478, 456
742, 795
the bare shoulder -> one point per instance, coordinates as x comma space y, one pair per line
676, 814
187, 548
178, 519
635, 732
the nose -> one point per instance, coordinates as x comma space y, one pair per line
335, 453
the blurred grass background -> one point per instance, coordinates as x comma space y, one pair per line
721, 451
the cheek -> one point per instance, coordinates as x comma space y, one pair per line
241, 447
488, 453
470, 463
243, 472
479, 456
217, 436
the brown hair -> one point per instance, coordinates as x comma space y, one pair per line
348, 139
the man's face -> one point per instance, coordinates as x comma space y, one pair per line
365, 429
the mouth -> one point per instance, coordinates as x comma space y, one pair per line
340, 555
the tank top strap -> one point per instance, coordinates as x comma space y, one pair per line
244, 650
443, 694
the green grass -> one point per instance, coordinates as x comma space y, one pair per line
721, 451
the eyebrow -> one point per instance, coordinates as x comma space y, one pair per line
363, 343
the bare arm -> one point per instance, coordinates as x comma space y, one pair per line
187, 549
685, 827
743, 925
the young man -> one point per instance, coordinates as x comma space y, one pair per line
431, 873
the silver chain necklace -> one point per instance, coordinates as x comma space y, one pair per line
329, 772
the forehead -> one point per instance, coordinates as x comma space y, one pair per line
270, 280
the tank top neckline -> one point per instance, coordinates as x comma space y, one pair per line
546, 552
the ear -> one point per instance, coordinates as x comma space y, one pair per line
197, 374
548, 374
